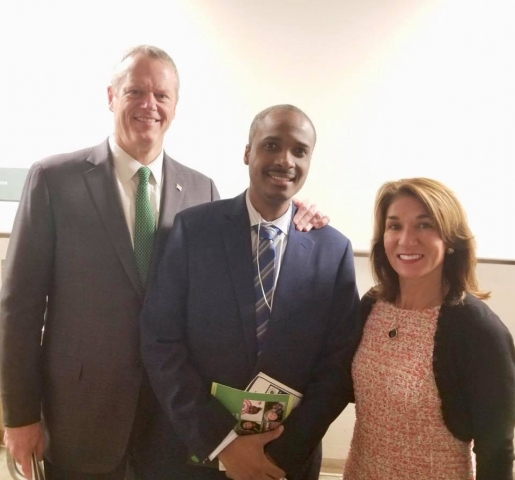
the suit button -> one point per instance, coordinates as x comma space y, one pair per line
138, 363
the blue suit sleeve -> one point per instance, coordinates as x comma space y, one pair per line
200, 421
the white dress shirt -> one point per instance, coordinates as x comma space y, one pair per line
126, 170
282, 223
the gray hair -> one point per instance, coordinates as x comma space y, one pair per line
148, 51
263, 114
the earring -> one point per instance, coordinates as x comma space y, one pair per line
449, 251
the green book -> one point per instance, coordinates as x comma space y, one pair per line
255, 412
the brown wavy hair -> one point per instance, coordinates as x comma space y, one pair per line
459, 268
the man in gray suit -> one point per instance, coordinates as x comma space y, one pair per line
79, 393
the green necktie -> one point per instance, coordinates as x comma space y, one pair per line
144, 226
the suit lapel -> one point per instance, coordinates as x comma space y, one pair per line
101, 182
238, 251
173, 198
172, 195
293, 270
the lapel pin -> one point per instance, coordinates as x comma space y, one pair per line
178, 187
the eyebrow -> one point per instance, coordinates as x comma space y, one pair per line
271, 137
419, 217
279, 139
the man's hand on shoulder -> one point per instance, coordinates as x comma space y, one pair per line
245, 458
22, 442
308, 216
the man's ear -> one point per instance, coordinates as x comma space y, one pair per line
246, 154
110, 96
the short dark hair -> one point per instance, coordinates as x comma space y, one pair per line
263, 114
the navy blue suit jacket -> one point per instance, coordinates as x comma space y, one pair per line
198, 327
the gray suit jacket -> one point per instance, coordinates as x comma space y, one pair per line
70, 267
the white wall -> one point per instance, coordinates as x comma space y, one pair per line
396, 88
499, 279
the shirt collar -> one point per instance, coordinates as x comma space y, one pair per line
282, 223
126, 166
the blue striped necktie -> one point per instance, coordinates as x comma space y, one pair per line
264, 275
144, 226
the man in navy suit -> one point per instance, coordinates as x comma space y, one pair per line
199, 322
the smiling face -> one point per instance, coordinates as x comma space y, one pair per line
413, 244
278, 157
143, 101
